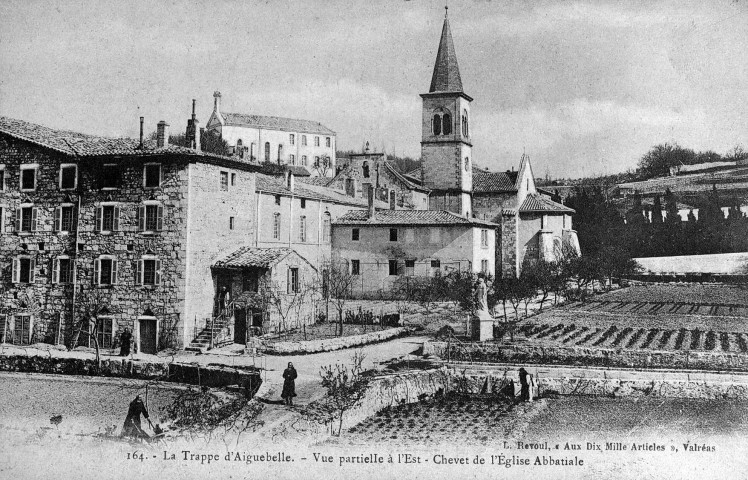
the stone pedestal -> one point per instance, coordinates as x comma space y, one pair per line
482, 326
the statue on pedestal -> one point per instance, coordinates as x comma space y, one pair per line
482, 320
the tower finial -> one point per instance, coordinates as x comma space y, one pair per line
446, 9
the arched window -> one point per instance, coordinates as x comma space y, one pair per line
280, 153
436, 124
240, 148
447, 124
252, 152
465, 126
267, 151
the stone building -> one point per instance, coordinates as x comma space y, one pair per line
285, 141
382, 248
360, 171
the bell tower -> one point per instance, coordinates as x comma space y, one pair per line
446, 148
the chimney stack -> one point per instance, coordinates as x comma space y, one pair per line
290, 180
162, 134
217, 102
192, 135
142, 119
370, 191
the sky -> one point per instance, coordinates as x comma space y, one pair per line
584, 88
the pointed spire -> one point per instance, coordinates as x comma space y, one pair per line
446, 77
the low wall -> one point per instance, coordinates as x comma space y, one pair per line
606, 382
330, 344
718, 263
603, 357
193, 374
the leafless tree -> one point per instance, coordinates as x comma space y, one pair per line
336, 286
346, 387
91, 303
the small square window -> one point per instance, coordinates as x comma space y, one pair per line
355, 233
225, 181
152, 174
393, 234
28, 179
68, 177
41, 246
436, 263
355, 267
392, 267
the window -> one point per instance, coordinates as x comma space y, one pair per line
22, 330
280, 153
355, 234
152, 175
484, 238
355, 267
148, 271
302, 228
24, 269
316, 141
436, 263
252, 151
293, 280
327, 142
65, 218
107, 218
316, 162
231, 223
109, 176
150, 217
2, 179
410, 267
292, 158
447, 124
28, 177
326, 228
68, 177
276, 225
277, 199
484, 266
26, 219
267, 151
105, 271
240, 148
233, 179
436, 125
465, 129
63, 270
225, 181
393, 199
303, 160
467, 164
291, 139
435, 234
303, 202
393, 234
392, 267
303, 140
365, 169
104, 331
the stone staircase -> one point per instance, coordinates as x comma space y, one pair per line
201, 343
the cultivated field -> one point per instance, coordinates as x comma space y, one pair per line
657, 317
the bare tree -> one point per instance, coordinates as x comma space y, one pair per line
288, 304
336, 286
91, 303
345, 387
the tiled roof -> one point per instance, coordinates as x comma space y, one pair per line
277, 186
321, 181
539, 203
82, 145
298, 170
486, 182
446, 77
275, 123
253, 257
408, 183
408, 217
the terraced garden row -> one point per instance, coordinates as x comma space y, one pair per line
614, 336
660, 308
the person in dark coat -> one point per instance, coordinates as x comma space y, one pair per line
125, 339
132, 427
289, 384
525, 392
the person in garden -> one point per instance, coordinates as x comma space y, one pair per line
125, 339
525, 391
289, 384
132, 427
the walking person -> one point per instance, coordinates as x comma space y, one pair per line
132, 427
525, 391
289, 384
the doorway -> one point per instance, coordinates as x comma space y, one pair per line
148, 336
240, 326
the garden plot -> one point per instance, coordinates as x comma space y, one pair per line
658, 317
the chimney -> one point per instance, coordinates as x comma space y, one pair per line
289, 180
142, 119
162, 134
370, 213
217, 102
192, 135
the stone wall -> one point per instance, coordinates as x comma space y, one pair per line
508, 258
331, 344
604, 357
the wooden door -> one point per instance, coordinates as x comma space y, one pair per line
148, 342
240, 326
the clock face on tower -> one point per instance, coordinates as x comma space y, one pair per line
467, 164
